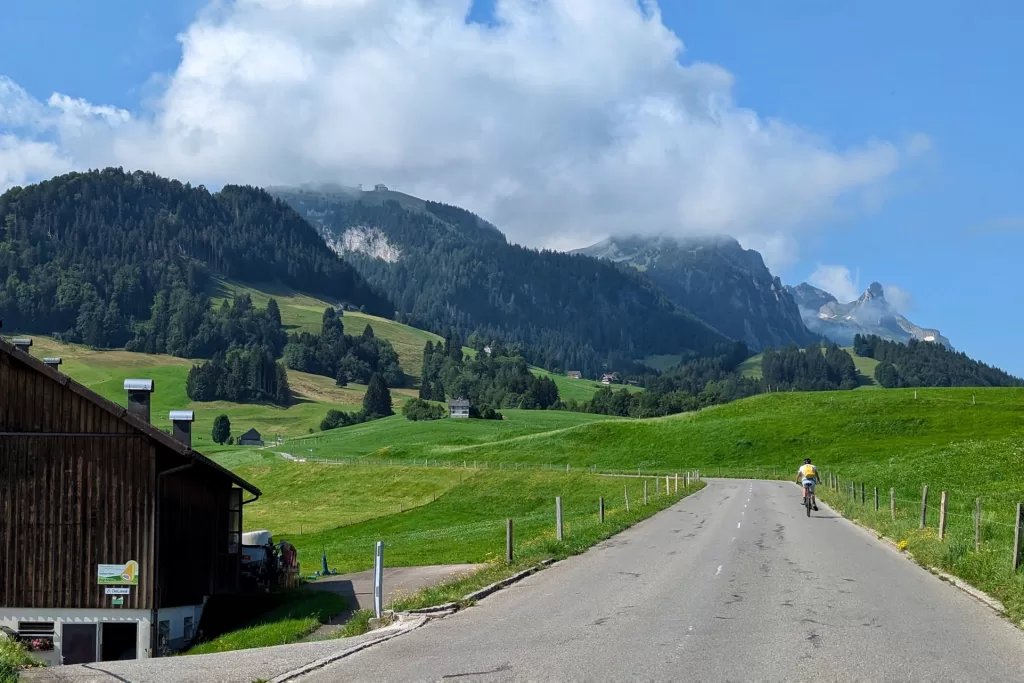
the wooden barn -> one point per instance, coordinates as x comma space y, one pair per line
113, 533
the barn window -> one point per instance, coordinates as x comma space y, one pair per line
234, 521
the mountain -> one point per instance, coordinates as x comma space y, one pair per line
871, 314
447, 269
90, 255
718, 281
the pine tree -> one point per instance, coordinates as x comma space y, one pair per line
221, 429
377, 401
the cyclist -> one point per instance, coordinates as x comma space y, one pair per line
807, 476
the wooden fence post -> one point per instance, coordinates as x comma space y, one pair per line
677, 482
600, 510
924, 505
862, 493
892, 502
666, 485
508, 541
558, 517
977, 524
645, 492
1016, 537
625, 494
876, 499
942, 515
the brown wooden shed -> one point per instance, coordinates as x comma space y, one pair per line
88, 487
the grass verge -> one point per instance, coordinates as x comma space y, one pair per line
578, 537
467, 524
13, 659
357, 625
988, 568
302, 612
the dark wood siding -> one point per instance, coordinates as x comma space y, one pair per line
67, 505
194, 538
78, 488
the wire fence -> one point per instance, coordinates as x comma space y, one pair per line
581, 512
961, 517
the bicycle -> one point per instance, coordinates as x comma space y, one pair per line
809, 501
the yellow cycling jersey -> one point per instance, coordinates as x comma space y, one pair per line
808, 471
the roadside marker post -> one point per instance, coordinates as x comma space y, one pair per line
508, 541
1016, 537
862, 493
625, 494
645, 492
924, 505
892, 503
378, 579
977, 524
600, 509
942, 515
677, 482
876, 499
558, 517
666, 485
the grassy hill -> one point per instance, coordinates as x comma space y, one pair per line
398, 438
105, 371
865, 366
303, 313
578, 389
967, 442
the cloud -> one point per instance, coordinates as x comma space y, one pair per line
837, 281
900, 298
562, 121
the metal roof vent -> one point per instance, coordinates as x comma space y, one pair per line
181, 421
53, 362
139, 391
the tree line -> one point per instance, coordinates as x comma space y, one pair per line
497, 377
87, 256
817, 368
342, 357
925, 364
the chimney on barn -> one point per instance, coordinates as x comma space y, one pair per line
139, 391
53, 363
22, 344
182, 425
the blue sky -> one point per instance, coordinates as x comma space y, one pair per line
947, 227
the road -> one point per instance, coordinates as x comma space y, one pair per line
734, 583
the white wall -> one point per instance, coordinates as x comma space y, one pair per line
10, 617
174, 615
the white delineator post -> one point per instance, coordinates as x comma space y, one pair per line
378, 579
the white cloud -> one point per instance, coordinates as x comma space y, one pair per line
837, 281
900, 298
563, 122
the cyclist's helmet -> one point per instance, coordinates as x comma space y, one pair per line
807, 461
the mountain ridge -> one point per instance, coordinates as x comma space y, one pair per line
716, 279
870, 314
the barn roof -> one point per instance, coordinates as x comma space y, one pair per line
120, 412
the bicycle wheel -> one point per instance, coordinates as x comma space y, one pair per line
807, 503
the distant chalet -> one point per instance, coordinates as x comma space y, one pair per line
458, 407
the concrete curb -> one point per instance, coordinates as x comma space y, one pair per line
498, 585
386, 634
419, 618
979, 595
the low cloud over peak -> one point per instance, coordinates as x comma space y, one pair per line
562, 121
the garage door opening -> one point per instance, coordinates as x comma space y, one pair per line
120, 641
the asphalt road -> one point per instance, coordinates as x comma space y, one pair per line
734, 583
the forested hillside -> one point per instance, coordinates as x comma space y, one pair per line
88, 255
926, 364
448, 269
